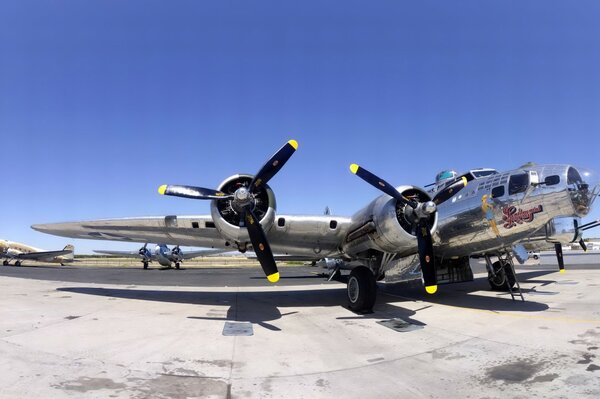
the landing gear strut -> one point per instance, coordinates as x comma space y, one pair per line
362, 289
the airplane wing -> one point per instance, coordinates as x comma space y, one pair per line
198, 231
205, 252
42, 255
311, 236
127, 254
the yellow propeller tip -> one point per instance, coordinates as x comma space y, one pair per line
562, 270
354, 168
273, 278
294, 144
162, 189
431, 289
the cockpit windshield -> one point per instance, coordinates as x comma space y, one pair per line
484, 172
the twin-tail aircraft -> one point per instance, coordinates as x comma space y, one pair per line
406, 233
19, 252
162, 254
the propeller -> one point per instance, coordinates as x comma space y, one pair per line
559, 256
449, 191
144, 251
243, 201
176, 252
420, 213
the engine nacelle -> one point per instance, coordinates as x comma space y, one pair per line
227, 219
563, 230
384, 225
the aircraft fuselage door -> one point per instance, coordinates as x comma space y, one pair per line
170, 224
171, 221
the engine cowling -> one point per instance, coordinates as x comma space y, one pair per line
387, 225
227, 218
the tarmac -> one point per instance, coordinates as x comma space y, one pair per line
81, 332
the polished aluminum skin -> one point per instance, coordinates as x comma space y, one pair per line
491, 214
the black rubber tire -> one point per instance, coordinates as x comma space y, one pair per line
177, 265
18, 263
361, 290
145, 265
504, 277
536, 257
5, 263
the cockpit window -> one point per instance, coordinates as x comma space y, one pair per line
482, 173
518, 183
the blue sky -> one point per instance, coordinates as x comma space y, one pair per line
103, 101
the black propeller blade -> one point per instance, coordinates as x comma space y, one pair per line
425, 245
559, 256
381, 185
274, 165
243, 199
449, 191
261, 247
191, 192
422, 212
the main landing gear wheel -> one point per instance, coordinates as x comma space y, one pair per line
362, 290
145, 265
177, 265
504, 277
5, 263
18, 263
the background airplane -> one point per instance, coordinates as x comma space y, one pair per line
406, 233
162, 254
10, 250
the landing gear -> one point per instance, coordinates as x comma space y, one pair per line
145, 264
18, 263
177, 264
5, 263
362, 289
503, 278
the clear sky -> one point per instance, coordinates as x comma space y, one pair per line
103, 101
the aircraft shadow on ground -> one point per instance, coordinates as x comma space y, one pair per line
464, 295
263, 307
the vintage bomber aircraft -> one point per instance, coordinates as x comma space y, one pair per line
162, 254
11, 250
406, 233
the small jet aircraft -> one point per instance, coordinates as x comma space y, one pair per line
405, 233
162, 254
10, 250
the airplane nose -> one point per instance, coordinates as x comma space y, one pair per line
583, 185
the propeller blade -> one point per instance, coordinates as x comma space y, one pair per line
380, 184
261, 246
274, 164
559, 256
590, 225
425, 245
191, 192
449, 191
583, 245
